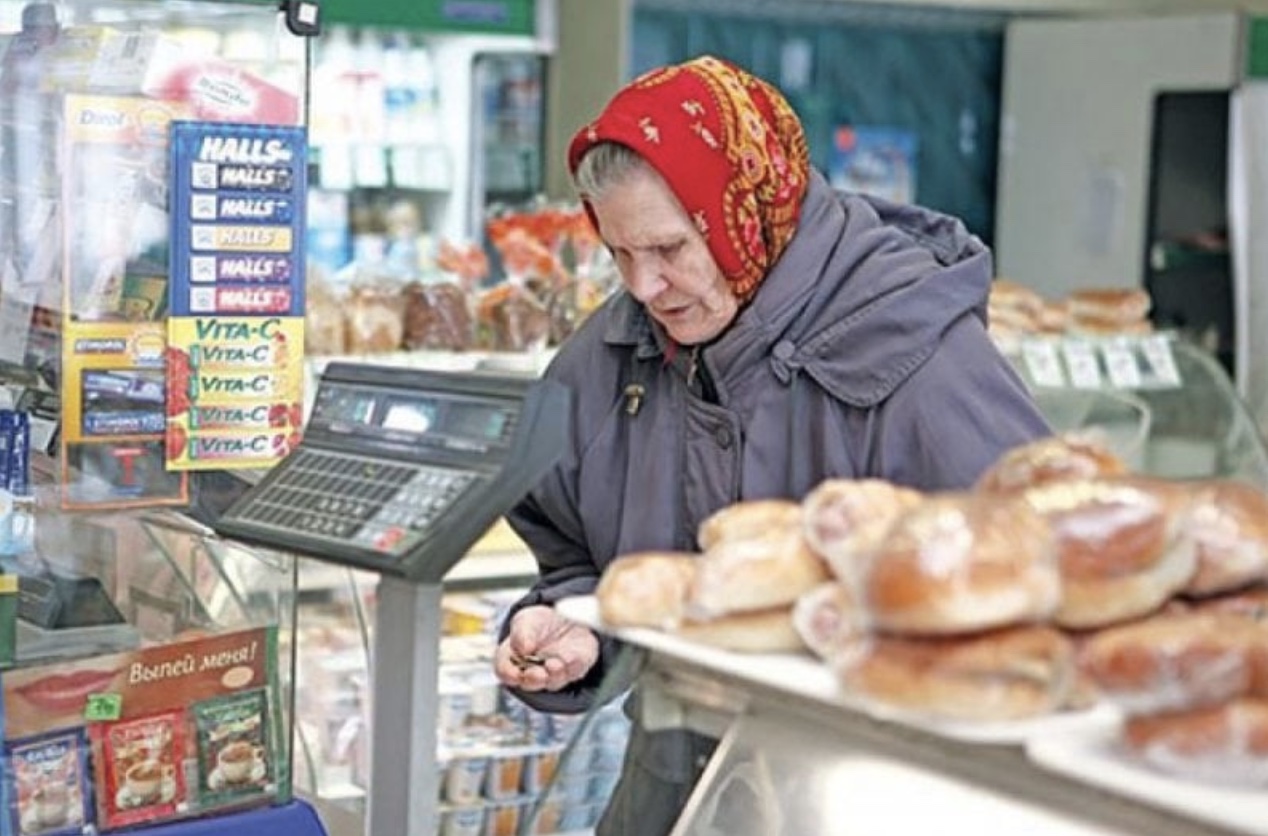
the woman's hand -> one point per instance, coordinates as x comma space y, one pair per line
545, 651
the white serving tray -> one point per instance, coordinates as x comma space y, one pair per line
807, 676
1090, 754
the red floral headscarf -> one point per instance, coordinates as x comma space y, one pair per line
729, 146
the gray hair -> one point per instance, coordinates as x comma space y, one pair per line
605, 165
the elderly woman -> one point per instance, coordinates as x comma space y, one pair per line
771, 334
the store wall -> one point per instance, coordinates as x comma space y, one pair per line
1079, 102
588, 66
933, 73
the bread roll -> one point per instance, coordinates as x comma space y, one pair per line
749, 520
1002, 675
1176, 662
829, 620
846, 519
1228, 521
1252, 603
1119, 547
743, 575
1109, 305
645, 589
1096, 327
1224, 744
761, 631
1012, 295
1011, 319
958, 563
1053, 459
1053, 317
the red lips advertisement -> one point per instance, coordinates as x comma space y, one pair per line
149, 680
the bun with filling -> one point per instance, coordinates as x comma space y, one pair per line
742, 575
1006, 674
645, 589
1109, 305
1176, 662
1119, 547
760, 631
847, 519
961, 562
1223, 744
749, 520
1053, 459
1228, 520
829, 620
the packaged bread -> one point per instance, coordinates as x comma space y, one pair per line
325, 331
376, 319
845, 520
1118, 544
756, 631
1228, 521
510, 318
1052, 459
749, 520
1007, 674
438, 317
1221, 744
645, 589
743, 575
1177, 662
962, 562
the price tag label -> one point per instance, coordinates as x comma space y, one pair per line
1121, 365
1157, 352
103, 708
1042, 363
1081, 362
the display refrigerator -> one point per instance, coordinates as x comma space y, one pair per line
152, 168
422, 128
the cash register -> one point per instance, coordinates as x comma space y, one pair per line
400, 471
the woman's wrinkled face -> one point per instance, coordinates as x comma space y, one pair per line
663, 259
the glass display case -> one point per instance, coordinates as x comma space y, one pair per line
1165, 405
148, 664
799, 752
496, 760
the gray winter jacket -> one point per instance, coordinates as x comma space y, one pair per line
863, 354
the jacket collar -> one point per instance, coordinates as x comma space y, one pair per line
858, 301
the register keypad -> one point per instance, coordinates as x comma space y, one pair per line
379, 505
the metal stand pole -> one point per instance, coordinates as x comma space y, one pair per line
404, 783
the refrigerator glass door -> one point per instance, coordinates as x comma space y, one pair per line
1248, 213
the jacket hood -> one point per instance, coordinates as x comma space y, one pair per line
858, 301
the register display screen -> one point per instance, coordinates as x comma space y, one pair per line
449, 420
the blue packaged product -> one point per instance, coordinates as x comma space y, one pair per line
48, 785
20, 455
8, 428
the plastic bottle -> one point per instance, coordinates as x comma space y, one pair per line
370, 89
399, 91
334, 91
425, 122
